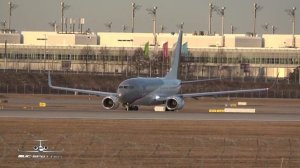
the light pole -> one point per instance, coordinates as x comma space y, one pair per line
292, 14
81, 23
134, 9
5, 56
256, 8
211, 9
53, 25
221, 12
273, 29
72, 25
233, 29
162, 29
297, 69
153, 12
108, 26
11, 7
3, 25
124, 28
44, 39
63, 8
266, 27
299, 75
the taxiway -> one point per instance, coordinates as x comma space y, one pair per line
142, 115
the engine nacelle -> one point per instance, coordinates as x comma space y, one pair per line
174, 103
110, 102
35, 148
45, 148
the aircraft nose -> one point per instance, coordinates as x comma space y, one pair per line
125, 96
121, 95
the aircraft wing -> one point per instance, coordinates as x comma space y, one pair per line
192, 95
29, 151
42, 151
92, 92
202, 80
53, 151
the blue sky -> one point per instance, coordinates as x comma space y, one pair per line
35, 14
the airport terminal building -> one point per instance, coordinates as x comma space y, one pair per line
234, 55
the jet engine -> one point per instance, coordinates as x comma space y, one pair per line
110, 102
35, 148
45, 147
174, 103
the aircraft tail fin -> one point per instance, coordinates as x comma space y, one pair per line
173, 73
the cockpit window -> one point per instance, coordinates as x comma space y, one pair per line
126, 87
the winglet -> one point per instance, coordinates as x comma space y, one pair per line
275, 82
173, 73
49, 79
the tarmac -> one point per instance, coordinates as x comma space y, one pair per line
193, 137
84, 106
142, 115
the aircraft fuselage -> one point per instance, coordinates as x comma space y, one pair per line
147, 91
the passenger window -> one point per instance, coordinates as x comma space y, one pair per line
125, 87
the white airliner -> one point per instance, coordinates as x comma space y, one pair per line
41, 149
139, 91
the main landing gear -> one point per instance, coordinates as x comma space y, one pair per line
131, 108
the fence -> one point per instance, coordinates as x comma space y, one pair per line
272, 93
